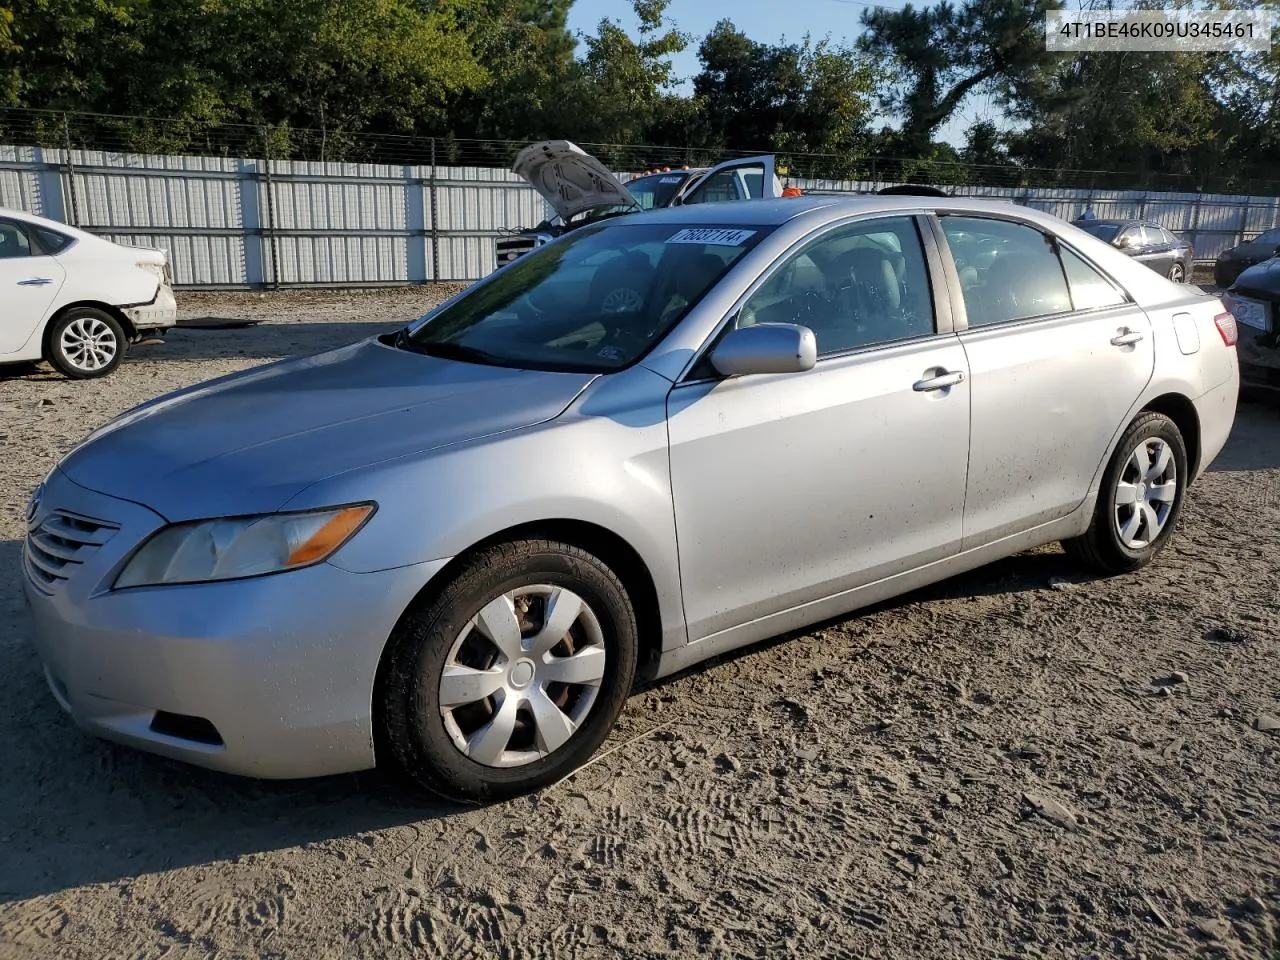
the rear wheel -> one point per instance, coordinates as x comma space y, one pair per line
1139, 500
1178, 273
513, 676
86, 342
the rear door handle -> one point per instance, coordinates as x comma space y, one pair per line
1125, 338
35, 282
939, 382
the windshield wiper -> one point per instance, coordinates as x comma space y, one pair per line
449, 351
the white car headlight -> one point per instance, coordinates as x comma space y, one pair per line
236, 547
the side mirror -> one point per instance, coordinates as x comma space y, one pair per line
766, 348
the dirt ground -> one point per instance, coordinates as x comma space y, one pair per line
1021, 762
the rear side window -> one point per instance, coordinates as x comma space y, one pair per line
13, 241
1089, 288
51, 240
1008, 271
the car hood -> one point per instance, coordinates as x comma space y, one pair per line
570, 179
250, 442
1261, 280
1253, 250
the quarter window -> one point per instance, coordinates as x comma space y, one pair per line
855, 286
1089, 289
13, 241
1008, 271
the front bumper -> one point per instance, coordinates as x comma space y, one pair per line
281, 668
160, 314
1259, 365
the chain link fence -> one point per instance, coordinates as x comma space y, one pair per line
245, 206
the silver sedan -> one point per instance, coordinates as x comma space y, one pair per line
452, 549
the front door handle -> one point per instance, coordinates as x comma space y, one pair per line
35, 282
939, 382
1125, 338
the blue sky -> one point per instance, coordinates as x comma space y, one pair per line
766, 21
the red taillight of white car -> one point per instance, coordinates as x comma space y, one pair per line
1226, 325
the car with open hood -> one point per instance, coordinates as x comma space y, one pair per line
580, 189
1233, 262
1254, 300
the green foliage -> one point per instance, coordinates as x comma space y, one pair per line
317, 77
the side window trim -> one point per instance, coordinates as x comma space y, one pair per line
943, 306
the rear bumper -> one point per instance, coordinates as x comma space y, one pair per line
160, 313
1217, 413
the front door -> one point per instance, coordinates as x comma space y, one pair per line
29, 281
1057, 357
794, 487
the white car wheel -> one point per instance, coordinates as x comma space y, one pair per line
85, 343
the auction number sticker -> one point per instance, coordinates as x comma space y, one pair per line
717, 235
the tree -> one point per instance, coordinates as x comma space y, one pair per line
805, 97
946, 52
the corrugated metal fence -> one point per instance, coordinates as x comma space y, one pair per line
251, 223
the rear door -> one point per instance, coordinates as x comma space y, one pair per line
1057, 355
29, 283
751, 178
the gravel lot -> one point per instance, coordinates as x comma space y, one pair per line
1019, 762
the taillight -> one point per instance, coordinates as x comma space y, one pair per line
1226, 325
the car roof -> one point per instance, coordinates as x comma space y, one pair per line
772, 213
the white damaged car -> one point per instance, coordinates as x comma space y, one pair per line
77, 300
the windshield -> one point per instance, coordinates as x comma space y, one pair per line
596, 300
1271, 236
657, 189
1101, 230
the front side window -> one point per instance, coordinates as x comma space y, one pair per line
594, 301
1008, 271
718, 188
13, 241
855, 286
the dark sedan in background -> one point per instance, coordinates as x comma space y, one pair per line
1254, 300
1231, 263
1164, 252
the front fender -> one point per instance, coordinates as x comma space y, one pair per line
604, 462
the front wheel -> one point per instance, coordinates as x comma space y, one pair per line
86, 342
1139, 500
513, 676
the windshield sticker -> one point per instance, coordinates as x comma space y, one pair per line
610, 353
716, 235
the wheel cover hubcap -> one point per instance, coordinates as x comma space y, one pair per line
1145, 493
522, 676
88, 343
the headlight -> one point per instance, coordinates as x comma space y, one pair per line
241, 546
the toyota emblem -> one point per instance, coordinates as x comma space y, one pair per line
33, 504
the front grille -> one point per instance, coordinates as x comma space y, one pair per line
59, 544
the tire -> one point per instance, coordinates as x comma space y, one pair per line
539, 729
1111, 544
85, 343
1177, 272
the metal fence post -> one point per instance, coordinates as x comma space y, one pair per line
271, 209
435, 218
71, 171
